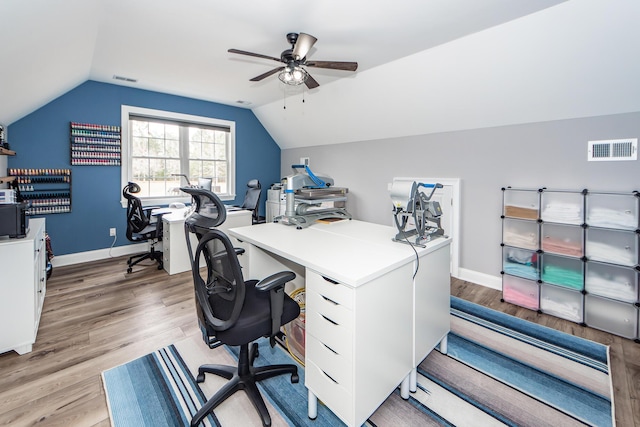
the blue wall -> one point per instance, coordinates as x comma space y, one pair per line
42, 140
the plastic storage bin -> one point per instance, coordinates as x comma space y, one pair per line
562, 239
613, 210
521, 233
615, 317
561, 302
613, 246
522, 292
562, 207
563, 271
520, 262
521, 203
611, 281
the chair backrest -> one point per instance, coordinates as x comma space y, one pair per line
220, 296
136, 218
205, 183
252, 197
208, 211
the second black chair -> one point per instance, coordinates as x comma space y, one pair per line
142, 226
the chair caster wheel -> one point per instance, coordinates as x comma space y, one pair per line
295, 378
129, 270
160, 267
200, 378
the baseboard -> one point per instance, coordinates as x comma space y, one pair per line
483, 279
100, 254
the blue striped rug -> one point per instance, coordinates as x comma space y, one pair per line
499, 370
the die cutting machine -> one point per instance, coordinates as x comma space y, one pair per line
410, 202
305, 192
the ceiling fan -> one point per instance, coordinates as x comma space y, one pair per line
292, 72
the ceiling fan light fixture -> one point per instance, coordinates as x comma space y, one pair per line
293, 76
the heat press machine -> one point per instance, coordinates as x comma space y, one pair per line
410, 202
305, 192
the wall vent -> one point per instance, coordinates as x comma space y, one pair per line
125, 79
613, 150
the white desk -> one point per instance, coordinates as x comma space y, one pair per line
174, 244
368, 322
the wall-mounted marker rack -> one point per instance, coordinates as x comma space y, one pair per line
48, 191
95, 145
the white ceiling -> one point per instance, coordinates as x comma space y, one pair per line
424, 65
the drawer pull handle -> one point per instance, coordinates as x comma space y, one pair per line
330, 280
329, 376
332, 350
328, 320
329, 299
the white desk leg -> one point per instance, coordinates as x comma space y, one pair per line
404, 387
312, 405
443, 344
413, 380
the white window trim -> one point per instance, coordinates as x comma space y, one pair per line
126, 164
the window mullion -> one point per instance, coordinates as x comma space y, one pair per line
184, 150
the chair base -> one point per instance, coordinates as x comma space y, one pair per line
242, 377
152, 255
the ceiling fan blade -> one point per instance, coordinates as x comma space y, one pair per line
267, 74
311, 82
335, 65
303, 45
257, 55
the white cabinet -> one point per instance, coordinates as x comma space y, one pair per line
22, 288
343, 341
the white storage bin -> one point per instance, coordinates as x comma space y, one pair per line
562, 239
615, 317
522, 292
613, 210
521, 203
561, 302
563, 271
521, 233
520, 262
613, 246
611, 281
562, 207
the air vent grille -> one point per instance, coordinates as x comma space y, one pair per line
125, 79
613, 150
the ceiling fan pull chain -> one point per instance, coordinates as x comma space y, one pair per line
284, 98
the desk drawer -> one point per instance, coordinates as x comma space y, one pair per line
336, 334
337, 366
340, 294
335, 397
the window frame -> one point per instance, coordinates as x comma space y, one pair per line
126, 161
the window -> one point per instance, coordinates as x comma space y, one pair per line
160, 148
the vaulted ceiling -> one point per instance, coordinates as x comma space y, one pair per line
425, 66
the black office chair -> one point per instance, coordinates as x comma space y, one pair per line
233, 311
252, 200
142, 226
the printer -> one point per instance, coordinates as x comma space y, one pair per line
14, 221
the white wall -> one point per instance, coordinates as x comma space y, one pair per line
547, 154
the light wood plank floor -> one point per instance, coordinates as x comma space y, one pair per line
96, 317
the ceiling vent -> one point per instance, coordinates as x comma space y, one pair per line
613, 150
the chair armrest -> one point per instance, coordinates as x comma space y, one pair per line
275, 280
275, 285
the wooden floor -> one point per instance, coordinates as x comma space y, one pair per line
96, 317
